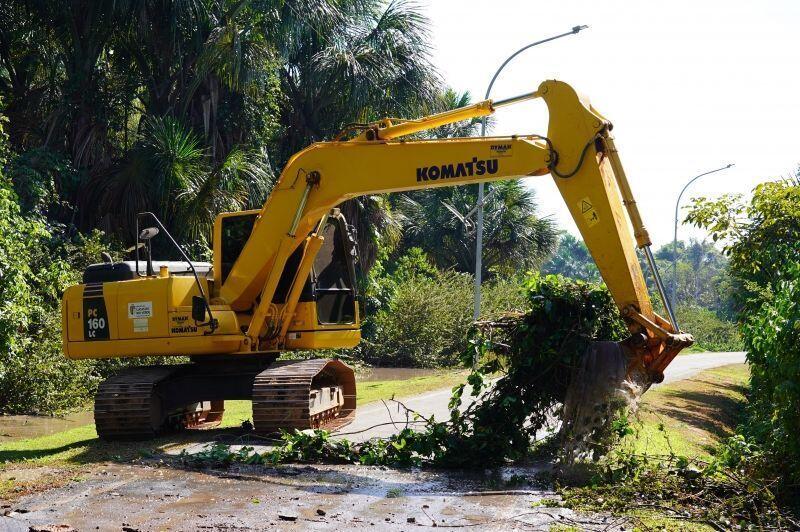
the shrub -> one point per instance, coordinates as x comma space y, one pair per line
762, 238
419, 316
37, 262
34, 375
711, 333
772, 340
425, 322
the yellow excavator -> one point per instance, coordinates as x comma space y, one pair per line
283, 278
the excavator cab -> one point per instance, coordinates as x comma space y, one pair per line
327, 313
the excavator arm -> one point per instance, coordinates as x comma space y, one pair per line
578, 151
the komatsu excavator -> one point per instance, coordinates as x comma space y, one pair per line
283, 279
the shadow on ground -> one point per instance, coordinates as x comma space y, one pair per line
710, 407
94, 449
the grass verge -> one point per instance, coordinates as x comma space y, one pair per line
80, 445
690, 417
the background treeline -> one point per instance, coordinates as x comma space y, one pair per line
190, 108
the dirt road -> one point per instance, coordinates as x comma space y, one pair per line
160, 493
159, 497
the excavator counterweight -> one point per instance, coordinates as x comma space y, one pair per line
282, 277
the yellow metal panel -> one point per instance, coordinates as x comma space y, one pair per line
202, 345
592, 194
323, 339
141, 307
73, 305
182, 288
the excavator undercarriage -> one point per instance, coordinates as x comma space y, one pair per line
143, 402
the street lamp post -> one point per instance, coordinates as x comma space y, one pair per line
675, 235
479, 232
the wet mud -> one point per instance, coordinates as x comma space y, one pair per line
161, 494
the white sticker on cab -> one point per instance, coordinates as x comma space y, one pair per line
141, 309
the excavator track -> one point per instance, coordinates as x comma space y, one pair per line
131, 405
308, 394
126, 405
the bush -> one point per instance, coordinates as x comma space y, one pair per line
711, 333
418, 316
37, 262
772, 340
34, 375
762, 238
425, 323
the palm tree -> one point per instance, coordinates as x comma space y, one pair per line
195, 57
515, 239
572, 259
170, 173
350, 61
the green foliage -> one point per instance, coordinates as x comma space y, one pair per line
762, 239
425, 323
155, 105
420, 316
514, 239
759, 237
38, 261
689, 490
710, 332
45, 182
572, 259
33, 373
537, 352
772, 339
699, 277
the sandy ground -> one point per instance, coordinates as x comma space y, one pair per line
162, 494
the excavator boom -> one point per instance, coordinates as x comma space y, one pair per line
578, 151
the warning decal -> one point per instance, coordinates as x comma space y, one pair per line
588, 212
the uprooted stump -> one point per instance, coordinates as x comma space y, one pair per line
563, 360
601, 389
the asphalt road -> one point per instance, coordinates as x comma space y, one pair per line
379, 419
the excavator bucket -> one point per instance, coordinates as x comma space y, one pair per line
608, 380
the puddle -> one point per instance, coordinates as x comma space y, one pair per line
393, 374
21, 427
